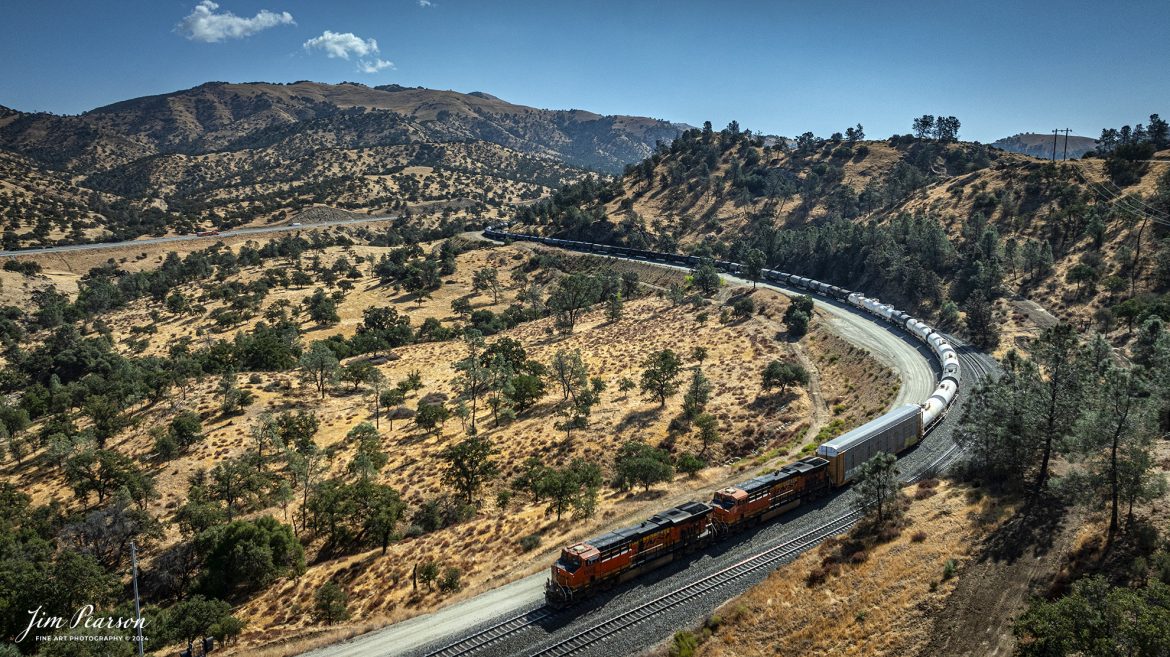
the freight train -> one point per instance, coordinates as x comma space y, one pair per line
621, 555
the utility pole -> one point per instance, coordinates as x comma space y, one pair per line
1066, 131
137, 608
1054, 131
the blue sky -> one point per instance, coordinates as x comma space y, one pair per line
777, 67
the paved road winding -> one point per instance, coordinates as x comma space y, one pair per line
188, 238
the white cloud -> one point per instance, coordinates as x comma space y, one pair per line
204, 24
426, 3
342, 45
374, 65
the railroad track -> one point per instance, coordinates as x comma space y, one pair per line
765, 559
617, 624
752, 564
515, 624
493, 633
975, 363
605, 629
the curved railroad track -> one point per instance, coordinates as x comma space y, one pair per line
763, 560
766, 559
977, 367
683, 594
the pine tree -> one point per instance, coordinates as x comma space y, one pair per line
878, 489
697, 394
613, 310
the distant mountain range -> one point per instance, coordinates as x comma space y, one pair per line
228, 154
220, 116
1040, 145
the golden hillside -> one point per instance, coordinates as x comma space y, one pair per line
920, 223
254, 287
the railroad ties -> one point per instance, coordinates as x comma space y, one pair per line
494, 633
765, 560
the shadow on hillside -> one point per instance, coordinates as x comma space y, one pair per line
1028, 533
639, 419
774, 401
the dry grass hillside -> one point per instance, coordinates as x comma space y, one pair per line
266, 184
41, 205
721, 193
180, 193
953, 579
880, 600
758, 429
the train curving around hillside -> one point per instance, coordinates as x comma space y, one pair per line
623, 554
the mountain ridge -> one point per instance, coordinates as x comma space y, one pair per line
921, 223
212, 116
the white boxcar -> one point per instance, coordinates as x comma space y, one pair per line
892, 432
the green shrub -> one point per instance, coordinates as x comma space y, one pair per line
684, 644
503, 498
329, 604
428, 573
165, 445
689, 464
950, 569
450, 581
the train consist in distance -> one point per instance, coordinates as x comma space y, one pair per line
621, 555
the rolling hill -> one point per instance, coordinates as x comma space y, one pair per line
1040, 145
940, 228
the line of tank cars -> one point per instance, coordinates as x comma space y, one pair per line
623, 554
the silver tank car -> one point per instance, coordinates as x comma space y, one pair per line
918, 328
934, 407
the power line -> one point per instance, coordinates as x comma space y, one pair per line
1056, 131
1117, 191
1117, 194
1123, 202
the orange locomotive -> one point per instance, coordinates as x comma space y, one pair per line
622, 555
767, 496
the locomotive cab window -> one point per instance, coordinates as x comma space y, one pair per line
568, 563
724, 501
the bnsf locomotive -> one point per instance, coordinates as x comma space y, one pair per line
621, 555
